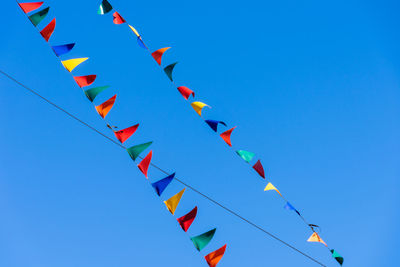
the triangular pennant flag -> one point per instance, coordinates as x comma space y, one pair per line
123, 135
141, 43
28, 7
60, 50
145, 163
289, 206
173, 202
135, 151
168, 70
93, 92
315, 238
245, 155
104, 8
259, 168
104, 108
157, 55
214, 257
214, 124
337, 256
160, 186
71, 64
37, 17
185, 92
84, 81
186, 220
134, 30
202, 240
48, 30
198, 106
117, 19
226, 136
272, 187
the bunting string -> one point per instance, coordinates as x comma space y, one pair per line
198, 107
230, 211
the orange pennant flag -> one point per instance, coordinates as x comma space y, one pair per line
157, 55
315, 238
144, 164
214, 257
104, 108
226, 136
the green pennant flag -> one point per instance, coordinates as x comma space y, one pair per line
37, 17
202, 240
135, 151
337, 256
246, 155
168, 70
104, 8
93, 92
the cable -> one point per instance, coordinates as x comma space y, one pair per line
160, 169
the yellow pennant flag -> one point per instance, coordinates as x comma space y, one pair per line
272, 187
134, 30
173, 202
71, 64
315, 238
198, 106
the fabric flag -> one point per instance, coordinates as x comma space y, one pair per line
37, 17
214, 257
135, 151
272, 187
141, 43
202, 240
186, 220
84, 81
157, 55
246, 155
93, 92
71, 64
185, 92
48, 30
198, 106
60, 50
337, 256
134, 30
160, 186
168, 70
214, 124
117, 19
315, 238
289, 206
173, 202
28, 7
104, 8
144, 164
226, 136
104, 108
259, 168
123, 135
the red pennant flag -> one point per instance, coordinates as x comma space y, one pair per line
185, 92
28, 7
157, 55
83, 81
214, 257
118, 19
227, 136
123, 135
104, 108
144, 164
48, 30
259, 168
186, 221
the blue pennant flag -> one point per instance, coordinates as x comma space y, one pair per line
214, 124
162, 184
60, 50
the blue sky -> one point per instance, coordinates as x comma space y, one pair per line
313, 88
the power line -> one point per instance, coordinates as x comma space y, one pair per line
160, 169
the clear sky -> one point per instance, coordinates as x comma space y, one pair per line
312, 86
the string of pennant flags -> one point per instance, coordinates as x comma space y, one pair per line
198, 106
199, 241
